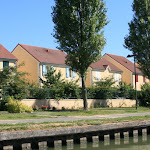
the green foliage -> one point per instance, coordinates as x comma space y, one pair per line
99, 93
13, 82
78, 30
144, 96
54, 87
70, 89
105, 83
138, 40
126, 90
3, 102
53, 79
15, 106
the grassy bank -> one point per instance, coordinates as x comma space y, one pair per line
91, 112
81, 123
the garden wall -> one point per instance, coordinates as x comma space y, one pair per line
78, 103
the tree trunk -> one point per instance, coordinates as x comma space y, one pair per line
84, 93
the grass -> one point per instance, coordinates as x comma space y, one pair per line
99, 111
90, 112
11, 116
81, 123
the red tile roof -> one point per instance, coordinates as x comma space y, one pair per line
4, 53
124, 62
103, 64
45, 55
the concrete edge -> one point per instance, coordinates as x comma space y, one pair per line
70, 131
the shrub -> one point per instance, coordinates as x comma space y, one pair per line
144, 95
125, 90
105, 83
99, 93
15, 106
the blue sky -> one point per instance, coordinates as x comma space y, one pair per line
30, 22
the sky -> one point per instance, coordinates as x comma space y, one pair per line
30, 22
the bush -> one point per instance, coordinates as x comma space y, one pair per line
15, 106
105, 83
144, 95
99, 93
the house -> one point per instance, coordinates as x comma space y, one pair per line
38, 59
103, 69
6, 58
128, 69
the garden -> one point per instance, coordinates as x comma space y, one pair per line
14, 88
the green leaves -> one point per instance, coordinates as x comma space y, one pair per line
138, 40
78, 30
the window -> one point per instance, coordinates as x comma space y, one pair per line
44, 70
143, 79
5, 64
136, 78
116, 77
70, 73
97, 75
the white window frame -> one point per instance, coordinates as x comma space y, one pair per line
116, 77
97, 75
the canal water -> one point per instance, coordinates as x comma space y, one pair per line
126, 143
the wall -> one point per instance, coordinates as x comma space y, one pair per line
105, 74
11, 62
126, 75
31, 65
78, 103
62, 69
140, 81
88, 81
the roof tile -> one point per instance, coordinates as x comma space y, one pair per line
103, 64
124, 62
45, 55
4, 53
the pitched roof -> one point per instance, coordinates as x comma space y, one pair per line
4, 53
45, 55
103, 64
124, 62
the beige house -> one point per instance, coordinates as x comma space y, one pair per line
38, 59
103, 69
128, 69
6, 58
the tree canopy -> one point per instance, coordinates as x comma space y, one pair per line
78, 30
138, 40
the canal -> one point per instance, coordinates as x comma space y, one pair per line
126, 143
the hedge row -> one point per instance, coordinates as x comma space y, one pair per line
92, 93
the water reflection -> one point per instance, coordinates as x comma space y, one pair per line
126, 143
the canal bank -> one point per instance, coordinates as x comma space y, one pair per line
17, 139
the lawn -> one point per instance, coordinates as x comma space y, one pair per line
90, 112
81, 123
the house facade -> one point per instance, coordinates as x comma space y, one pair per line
129, 76
103, 69
37, 60
6, 58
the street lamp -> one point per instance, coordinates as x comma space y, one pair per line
135, 79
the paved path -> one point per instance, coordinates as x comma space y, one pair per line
71, 118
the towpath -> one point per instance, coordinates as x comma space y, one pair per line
71, 118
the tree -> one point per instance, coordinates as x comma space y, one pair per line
138, 40
105, 83
53, 79
78, 30
13, 82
